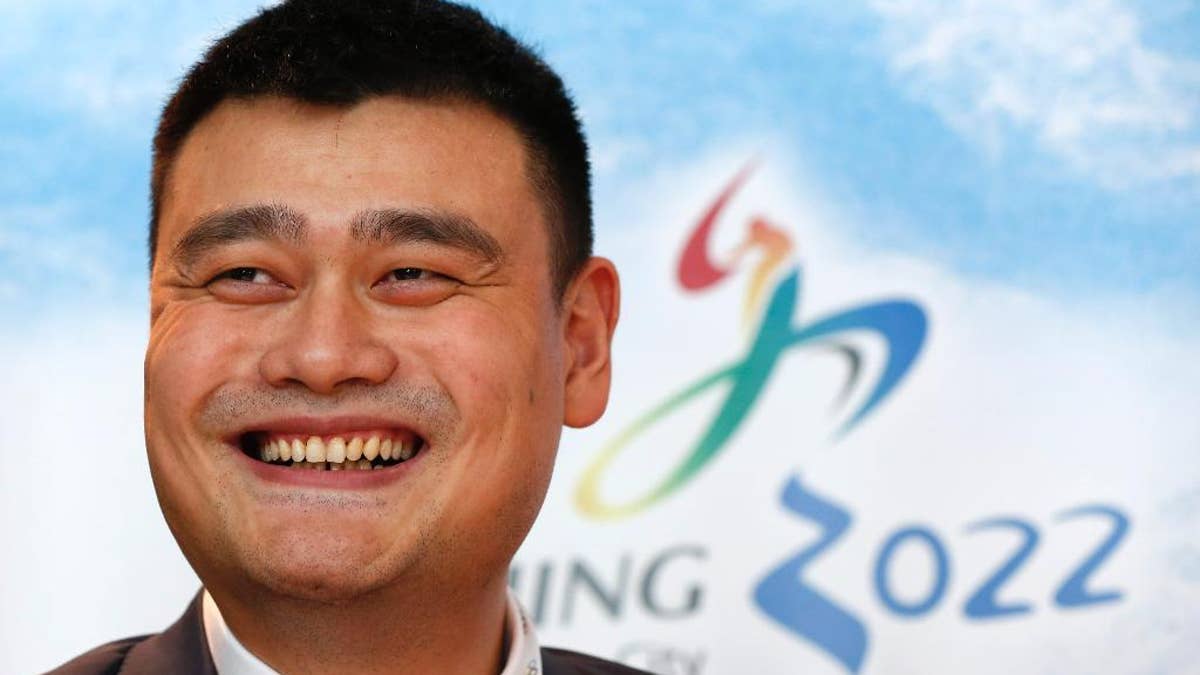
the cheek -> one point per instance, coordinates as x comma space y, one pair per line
498, 365
504, 372
190, 353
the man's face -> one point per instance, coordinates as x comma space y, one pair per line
341, 280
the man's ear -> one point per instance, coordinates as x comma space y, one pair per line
590, 310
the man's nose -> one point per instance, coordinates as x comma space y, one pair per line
328, 341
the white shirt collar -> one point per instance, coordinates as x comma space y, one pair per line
231, 658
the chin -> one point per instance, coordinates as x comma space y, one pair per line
320, 588
319, 566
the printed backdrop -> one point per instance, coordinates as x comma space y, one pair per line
906, 379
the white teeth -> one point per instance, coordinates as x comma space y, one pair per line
354, 449
338, 454
371, 448
336, 450
314, 451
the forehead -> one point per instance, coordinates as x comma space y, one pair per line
330, 162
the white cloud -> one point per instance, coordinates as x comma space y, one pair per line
43, 249
105, 59
1076, 75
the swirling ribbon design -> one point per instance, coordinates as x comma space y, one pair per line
900, 323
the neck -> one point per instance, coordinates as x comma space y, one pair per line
386, 631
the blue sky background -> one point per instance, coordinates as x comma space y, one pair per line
1050, 145
1024, 149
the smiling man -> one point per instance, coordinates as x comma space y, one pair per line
373, 308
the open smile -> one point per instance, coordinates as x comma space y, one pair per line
329, 451
358, 450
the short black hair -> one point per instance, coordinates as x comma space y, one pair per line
341, 52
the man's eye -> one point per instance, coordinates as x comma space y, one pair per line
247, 285
250, 275
416, 286
410, 274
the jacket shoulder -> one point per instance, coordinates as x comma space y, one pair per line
564, 662
106, 659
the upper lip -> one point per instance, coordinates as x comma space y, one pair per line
324, 425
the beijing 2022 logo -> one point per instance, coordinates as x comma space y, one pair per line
902, 325
781, 593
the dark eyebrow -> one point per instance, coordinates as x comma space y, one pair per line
221, 228
396, 226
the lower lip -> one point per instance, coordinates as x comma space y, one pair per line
345, 479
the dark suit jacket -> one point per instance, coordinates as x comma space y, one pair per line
183, 650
